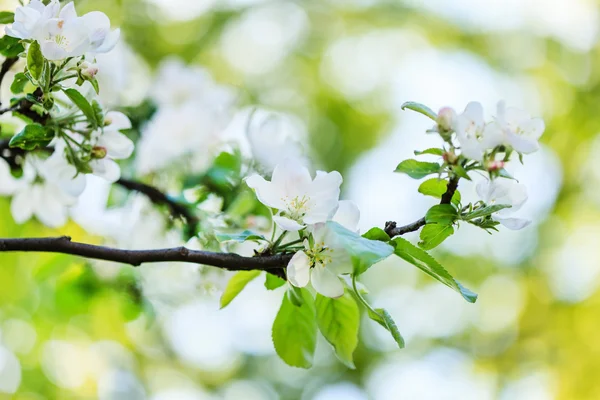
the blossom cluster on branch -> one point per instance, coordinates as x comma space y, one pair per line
246, 196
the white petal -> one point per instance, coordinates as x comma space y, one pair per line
492, 136
298, 269
98, 26
347, 215
268, 193
292, 177
68, 12
110, 41
53, 51
474, 112
118, 146
287, 224
50, 210
326, 282
522, 144
512, 223
324, 196
8, 183
117, 121
21, 206
107, 169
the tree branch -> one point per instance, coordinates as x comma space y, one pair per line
393, 230
6, 66
228, 261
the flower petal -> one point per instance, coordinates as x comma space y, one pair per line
110, 42
324, 196
287, 224
106, 168
117, 121
117, 145
292, 177
326, 282
347, 215
267, 192
514, 224
298, 269
21, 206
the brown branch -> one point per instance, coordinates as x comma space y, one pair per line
6, 66
228, 261
391, 227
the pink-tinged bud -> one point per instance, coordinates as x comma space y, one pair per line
88, 70
446, 118
450, 157
493, 166
98, 152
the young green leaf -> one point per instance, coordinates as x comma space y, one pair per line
7, 17
272, 282
18, 85
417, 169
82, 103
422, 260
35, 61
485, 211
444, 214
432, 235
376, 234
236, 284
436, 188
31, 137
420, 108
10, 47
364, 252
339, 320
461, 172
295, 331
434, 151
239, 237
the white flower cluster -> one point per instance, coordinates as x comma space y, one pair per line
61, 33
511, 130
304, 203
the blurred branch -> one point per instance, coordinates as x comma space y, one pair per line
391, 227
228, 261
6, 66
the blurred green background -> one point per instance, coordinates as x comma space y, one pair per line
344, 67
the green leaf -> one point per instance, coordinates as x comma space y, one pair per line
339, 320
434, 151
35, 61
31, 137
418, 169
239, 237
10, 47
7, 17
444, 214
485, 211
422, 260
272, 282
432, 235
295, 331
95, 85
236, 284
376, 234
363, 252
82, 103
461, 172
436, 188
18, 85
383, 318
420, 108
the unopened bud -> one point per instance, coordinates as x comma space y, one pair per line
88, 70
450, 157
445, 118
493, 165
98, 152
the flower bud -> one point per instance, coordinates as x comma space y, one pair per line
450, 157
98, 152
493, 165
89, 71
445, 119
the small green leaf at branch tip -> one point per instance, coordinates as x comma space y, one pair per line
376, 234
35, 61
436, 188
426, 263
432, 235
32, 137
81, 102
485, 211
273, 282
420, 108
363, 252
339, 321
239, 237
433, 151
294, 331
460, 172
444, 214
418, 169
236, 284
7, 17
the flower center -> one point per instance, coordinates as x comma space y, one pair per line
61, 41
297, 207
319, 255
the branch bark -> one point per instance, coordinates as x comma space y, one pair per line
228, 261
391, 227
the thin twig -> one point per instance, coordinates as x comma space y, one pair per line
393, 230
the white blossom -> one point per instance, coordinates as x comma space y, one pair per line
113, 145
506, 192
31, 19
469, 127
299, 199
322, 262
514, 128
